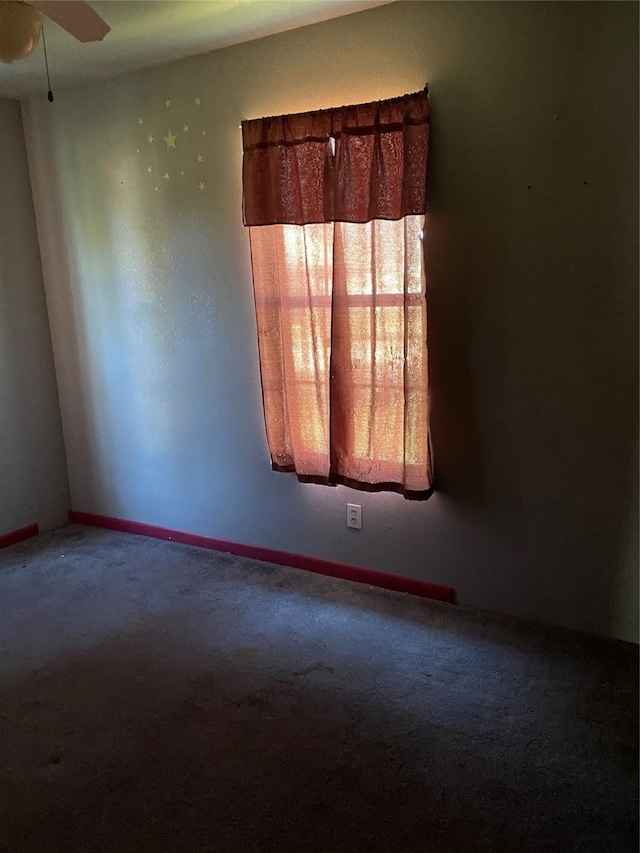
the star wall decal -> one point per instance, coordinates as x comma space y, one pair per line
189, 127
170, 139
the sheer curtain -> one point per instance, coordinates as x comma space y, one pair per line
335, 203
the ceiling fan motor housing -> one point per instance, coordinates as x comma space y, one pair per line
20, 28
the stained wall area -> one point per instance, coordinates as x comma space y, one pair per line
33, 477
532, 247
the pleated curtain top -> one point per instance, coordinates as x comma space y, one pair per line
351, 164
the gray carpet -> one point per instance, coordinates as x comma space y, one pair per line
156, 697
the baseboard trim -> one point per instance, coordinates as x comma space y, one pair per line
20, 535
399, 583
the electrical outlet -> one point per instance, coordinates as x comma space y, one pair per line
354, 516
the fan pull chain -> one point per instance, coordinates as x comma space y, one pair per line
46, 65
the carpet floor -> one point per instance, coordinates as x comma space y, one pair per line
157, 697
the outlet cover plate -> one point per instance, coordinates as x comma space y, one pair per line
354, 516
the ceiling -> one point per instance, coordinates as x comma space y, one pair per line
150, 32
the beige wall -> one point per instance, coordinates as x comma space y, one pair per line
532, 261
33, 478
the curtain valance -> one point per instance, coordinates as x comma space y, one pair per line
350, 164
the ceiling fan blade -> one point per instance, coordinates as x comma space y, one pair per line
76, 17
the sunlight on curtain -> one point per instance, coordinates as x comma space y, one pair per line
293, 265
375, 298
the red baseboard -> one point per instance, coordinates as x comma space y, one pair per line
27, 532
270, 555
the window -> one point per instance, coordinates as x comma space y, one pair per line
334, 201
